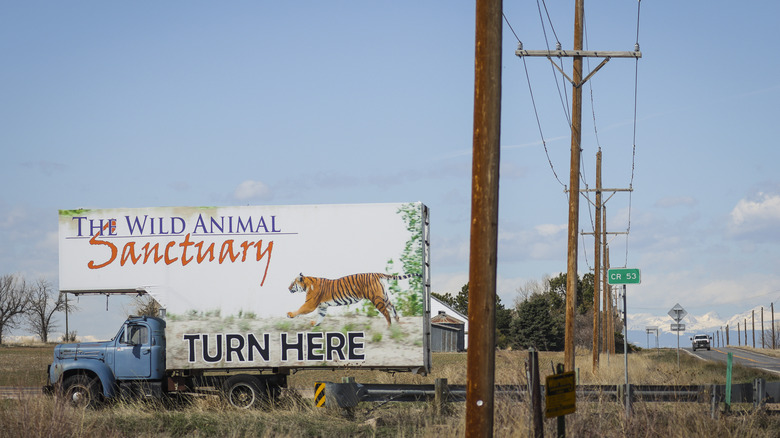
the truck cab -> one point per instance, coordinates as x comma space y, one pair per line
132, 363
700, 341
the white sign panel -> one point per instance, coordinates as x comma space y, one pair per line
677, 312
268, 286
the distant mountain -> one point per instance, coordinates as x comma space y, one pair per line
709, 323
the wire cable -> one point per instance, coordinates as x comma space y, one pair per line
564, 102
530, 90
533, 103
539, 124
633, 150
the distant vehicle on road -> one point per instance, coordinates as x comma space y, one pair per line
700, 341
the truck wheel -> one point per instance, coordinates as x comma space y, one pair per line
243, 391
81, 391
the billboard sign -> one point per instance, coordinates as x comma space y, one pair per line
264, 286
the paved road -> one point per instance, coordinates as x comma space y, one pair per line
741, 357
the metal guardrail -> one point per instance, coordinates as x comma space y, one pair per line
759, 392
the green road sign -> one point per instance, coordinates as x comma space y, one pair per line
623, 276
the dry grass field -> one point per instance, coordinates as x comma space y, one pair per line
294, 416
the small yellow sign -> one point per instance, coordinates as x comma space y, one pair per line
319, 394
560, 392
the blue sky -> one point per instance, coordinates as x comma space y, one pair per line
141, 104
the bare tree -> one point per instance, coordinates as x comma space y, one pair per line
14, 302
43, 305
144, 305
767, 336
531, 287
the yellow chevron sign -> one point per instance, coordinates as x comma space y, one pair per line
319, 394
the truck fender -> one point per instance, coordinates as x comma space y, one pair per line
100, 369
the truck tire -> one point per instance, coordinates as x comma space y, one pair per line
81, 391
244, 391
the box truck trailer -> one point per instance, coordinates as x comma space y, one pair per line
247, 295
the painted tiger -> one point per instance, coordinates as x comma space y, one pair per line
322, 293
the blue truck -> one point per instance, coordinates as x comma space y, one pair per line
132, 365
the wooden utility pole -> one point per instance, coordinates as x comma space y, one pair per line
763, 333
772, 307
480, 371
574, 190
577, 81
597, 265
753, 319
600, 238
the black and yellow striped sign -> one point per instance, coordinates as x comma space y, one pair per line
319, 394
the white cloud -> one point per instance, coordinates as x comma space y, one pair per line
546, 230
449, 283
756, 215
252, 190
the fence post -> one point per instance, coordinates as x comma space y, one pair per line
561, 420
536, 394
440, 396
629, 396
715, 400
759, 393
729, 363
348, 397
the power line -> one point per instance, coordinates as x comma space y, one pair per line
533, 101
636, 98
541, 5
539, 125
510, 27
564, 102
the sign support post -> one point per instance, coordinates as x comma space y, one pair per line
625, 276
625, 352
678, 313
560, 396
